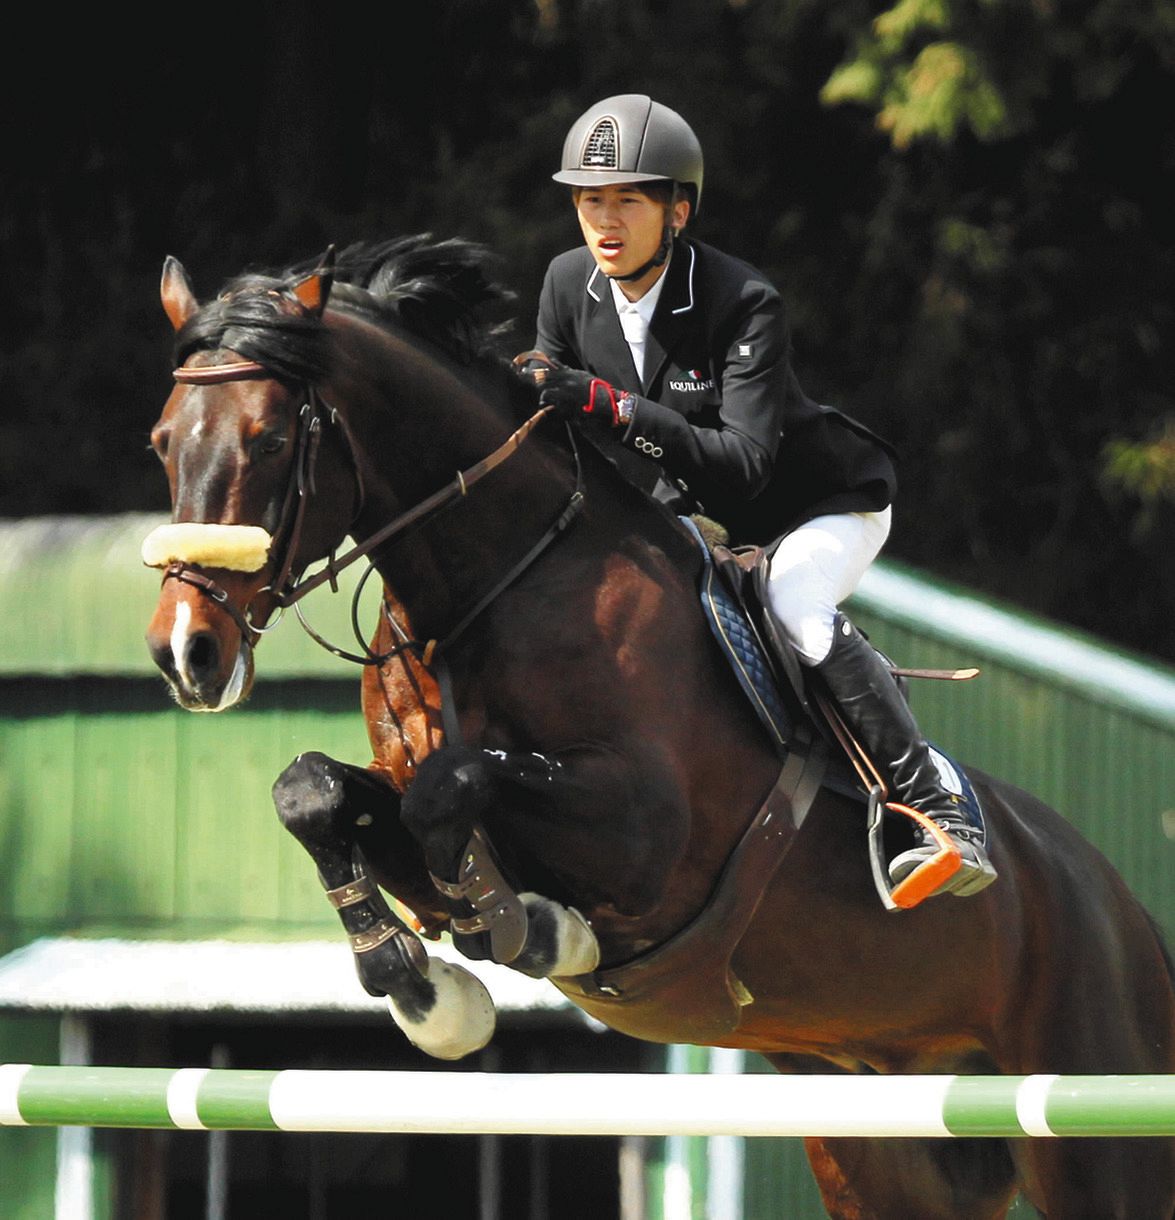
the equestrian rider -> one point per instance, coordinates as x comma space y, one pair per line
677, 357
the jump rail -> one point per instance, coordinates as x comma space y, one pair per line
459, 1102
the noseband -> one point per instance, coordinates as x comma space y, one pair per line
286, 589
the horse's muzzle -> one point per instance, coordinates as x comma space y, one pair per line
208, 670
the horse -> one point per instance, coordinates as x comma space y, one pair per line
567, 776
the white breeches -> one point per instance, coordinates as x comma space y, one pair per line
815, 568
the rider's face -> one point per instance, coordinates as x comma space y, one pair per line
623, 226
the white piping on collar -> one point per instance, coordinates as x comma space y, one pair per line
693, 254
589, 287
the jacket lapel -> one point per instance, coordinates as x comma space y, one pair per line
604, 337
672, 313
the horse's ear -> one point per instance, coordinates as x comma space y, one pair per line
314, 290
179, 301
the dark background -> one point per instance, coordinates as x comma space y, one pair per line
992, 293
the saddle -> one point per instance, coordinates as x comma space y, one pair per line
792, 710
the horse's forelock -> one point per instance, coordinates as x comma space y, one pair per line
253, 317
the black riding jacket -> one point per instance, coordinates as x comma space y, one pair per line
721, 424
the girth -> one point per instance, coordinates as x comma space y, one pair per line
656, 997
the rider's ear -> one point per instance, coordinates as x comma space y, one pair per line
313, 291
179, 301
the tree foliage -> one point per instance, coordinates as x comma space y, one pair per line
967, 205
1037, 169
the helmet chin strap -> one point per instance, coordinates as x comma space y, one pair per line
658, 259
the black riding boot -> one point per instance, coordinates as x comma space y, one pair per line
879, 717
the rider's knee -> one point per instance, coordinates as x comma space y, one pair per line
807, 622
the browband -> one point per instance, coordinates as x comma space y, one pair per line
214, 374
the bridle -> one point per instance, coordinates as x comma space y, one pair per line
286, 588
300, 485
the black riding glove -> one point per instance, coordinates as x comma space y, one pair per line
573, 393
577, 395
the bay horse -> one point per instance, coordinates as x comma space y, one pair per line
567, 776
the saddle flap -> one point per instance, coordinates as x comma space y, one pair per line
724, 587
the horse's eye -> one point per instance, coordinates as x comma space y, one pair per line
159, 439
271, 442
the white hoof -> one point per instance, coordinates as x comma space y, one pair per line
462, 1018
560, 943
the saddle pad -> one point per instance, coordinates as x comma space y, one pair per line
741, 646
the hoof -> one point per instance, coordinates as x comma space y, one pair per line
460, 1020
559, 942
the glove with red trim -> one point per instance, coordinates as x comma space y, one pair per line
575, 394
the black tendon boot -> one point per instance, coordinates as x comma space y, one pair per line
877, 714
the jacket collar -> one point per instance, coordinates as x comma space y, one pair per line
677, 297
676, 303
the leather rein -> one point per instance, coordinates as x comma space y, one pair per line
286, 588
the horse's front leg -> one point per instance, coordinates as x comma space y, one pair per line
570, 814
445, 808
330, 808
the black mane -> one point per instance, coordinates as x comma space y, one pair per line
438, 291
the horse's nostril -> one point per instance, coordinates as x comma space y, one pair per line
202, 655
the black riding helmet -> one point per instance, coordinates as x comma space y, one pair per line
631, 138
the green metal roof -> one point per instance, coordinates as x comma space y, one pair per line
1032, 646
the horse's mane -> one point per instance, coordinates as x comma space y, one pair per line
439, 291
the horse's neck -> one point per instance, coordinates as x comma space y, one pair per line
419, 425
446, 562
551, 507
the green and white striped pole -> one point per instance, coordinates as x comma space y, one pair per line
457, 1102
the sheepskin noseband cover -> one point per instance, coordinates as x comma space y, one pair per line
236, 548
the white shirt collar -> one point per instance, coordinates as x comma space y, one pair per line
647, 304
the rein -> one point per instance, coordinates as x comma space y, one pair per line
430, 507
287, 590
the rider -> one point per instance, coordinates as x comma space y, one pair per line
677, 357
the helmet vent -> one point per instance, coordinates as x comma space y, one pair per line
602, 150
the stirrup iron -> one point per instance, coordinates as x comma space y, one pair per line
922, 882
